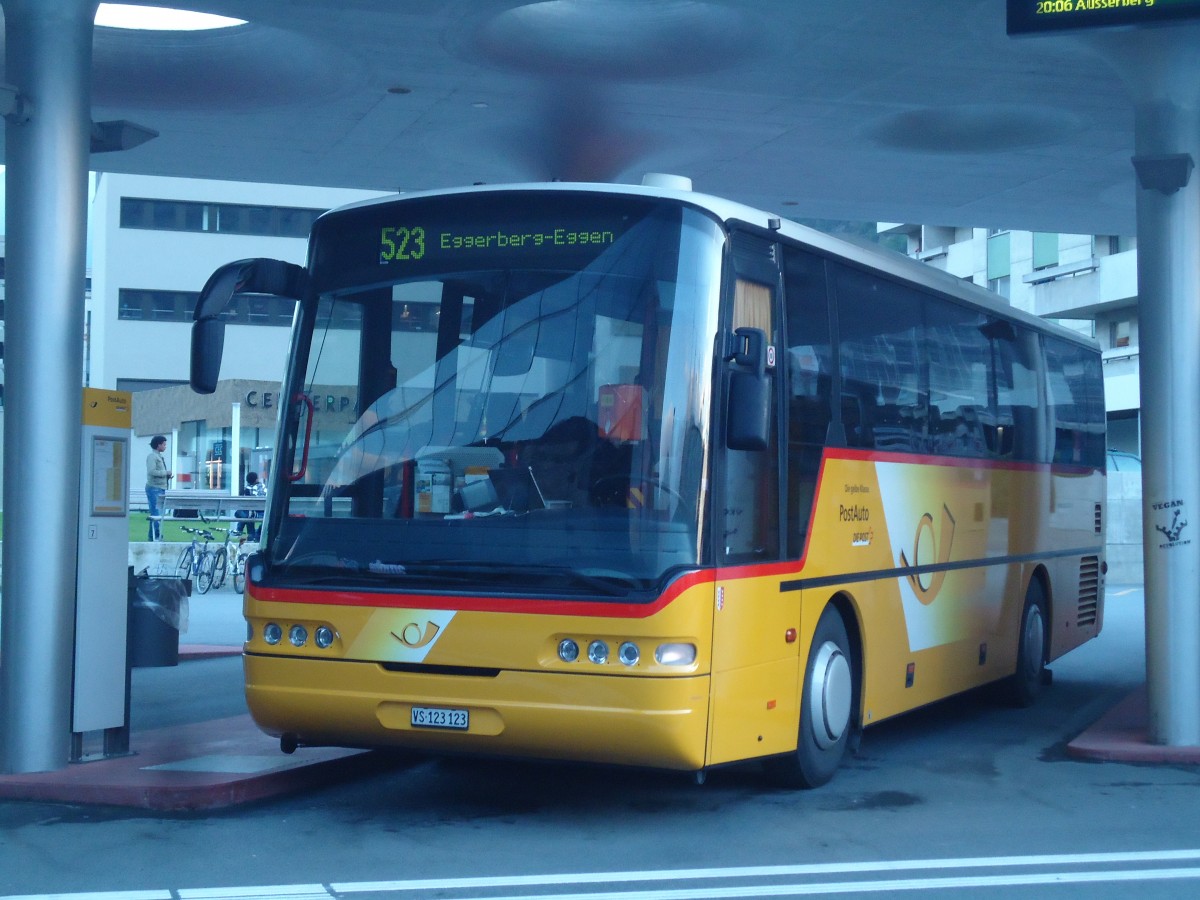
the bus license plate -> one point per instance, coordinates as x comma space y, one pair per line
439, 717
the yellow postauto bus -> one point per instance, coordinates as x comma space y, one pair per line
634, 475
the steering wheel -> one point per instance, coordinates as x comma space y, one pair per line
608, 488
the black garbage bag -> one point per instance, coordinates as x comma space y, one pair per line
158, 612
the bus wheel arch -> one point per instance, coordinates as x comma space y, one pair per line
829, 703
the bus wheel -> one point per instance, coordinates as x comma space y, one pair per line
1025, 685
826, 707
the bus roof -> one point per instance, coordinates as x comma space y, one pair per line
849, 247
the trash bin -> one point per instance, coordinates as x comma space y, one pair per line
158, 608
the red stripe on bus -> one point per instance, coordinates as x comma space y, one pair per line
464, 603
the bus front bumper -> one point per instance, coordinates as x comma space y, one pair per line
659, 722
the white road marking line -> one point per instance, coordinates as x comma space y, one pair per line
869, 886
717, 892
987, 862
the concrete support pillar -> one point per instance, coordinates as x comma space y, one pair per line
236, 475
49, 54
1158, 65
1168, 206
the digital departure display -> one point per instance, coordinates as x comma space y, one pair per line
1035, 16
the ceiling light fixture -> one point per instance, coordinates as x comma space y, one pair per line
159, 18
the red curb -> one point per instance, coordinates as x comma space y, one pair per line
1123, 735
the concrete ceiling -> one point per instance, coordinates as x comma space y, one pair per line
892, 110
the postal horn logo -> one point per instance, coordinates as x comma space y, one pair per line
413, 636
928, 547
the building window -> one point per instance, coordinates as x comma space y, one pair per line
999, 256
180, 306
1045, 250
156, 306
223, 218
999, 262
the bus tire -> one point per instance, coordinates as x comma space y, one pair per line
1024, 686
826, 709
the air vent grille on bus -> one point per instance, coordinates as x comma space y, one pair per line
1099, 519
1089, 590
752, 246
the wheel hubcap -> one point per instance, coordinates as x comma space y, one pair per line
830, 695
1035, 638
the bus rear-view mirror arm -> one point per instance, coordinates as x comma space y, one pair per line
748, 406
246, 276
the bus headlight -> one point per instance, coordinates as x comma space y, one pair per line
298, 635
568, 650
272, 633
598, 652
675, 654
323, 637
629, 654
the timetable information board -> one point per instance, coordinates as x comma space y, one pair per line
1037, 16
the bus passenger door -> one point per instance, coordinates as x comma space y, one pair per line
754, 702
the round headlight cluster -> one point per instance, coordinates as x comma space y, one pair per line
629, 654
598, 652
298, 635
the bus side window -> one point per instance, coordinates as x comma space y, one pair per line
808, 384
882, 360
1077, 406
749, 487
751, 530
959, 358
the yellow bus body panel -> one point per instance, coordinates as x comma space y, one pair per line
756, 669
930, 560
964, 541
501, 667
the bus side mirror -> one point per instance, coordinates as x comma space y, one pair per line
208, 342
246, 276
748, 406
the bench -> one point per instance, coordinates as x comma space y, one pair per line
212, 505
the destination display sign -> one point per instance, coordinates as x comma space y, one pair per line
1037, 16
411, 238
401, 243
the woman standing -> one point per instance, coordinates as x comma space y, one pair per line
158, 476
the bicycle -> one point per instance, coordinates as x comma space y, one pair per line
230, 560
196, 561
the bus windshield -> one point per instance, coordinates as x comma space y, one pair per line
507, 392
